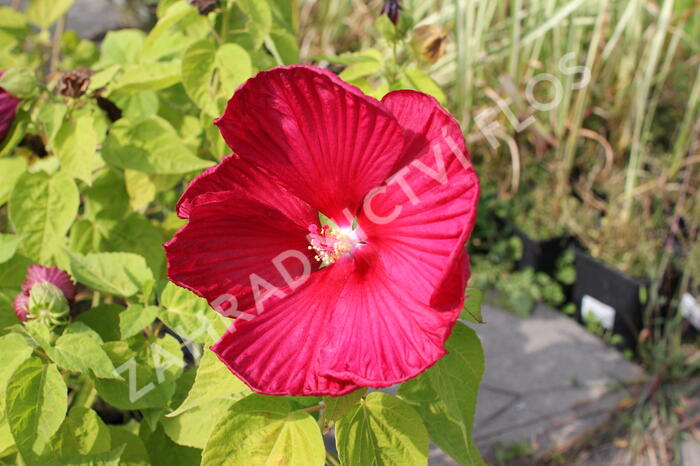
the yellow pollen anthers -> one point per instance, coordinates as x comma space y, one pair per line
330, 244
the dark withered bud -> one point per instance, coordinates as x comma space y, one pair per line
204, 6
74, 83
392, 8
429, 42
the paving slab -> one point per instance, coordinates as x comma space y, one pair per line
690, 452
547, 381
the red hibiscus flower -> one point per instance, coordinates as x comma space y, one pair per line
8, 109
325, 310
39, 274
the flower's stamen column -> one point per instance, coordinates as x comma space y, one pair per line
330, 244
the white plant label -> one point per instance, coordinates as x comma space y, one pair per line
603, 313
690, 309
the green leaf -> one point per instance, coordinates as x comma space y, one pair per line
173, 15
259, 23
82, 433
264, 430
107, 197
141, 189
51, 116
234, 67
338, 406
351, 58
213, 382
104, 319
122, 235
38, 332
10, 18
117, 273
286, 46
189, 315
422, 82
210, 73
472, 306
8, 246
75, 144
205, 416
382, 429
6, 441
87, 236
285, 14
107, 458
143, 386
135, 319
13, 271
445, 395
360, 70
19, 82
43, 206
120, 47
83, 329
10, 170
135, 453
44, 13
149, 145
36, 403
163, 452
78, 352
15, 350
145, 77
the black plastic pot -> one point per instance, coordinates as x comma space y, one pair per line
542, 255
612, 288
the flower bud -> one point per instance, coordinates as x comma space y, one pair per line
45, 294
48, 305
20, 304
429, 42
392, 9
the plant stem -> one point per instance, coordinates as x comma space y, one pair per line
513, 64
312, 409
86, 395
224, 24
56, 44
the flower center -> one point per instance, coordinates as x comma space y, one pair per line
330, 244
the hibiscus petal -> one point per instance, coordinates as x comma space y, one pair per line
247, 180
8, 109
323, 138
237, 247
277, 352
437, 193
348, 326
382, 334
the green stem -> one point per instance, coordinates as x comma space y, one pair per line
95, 299
86, 395
312, 409
56, 44
224, 24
